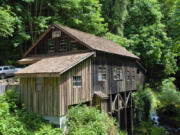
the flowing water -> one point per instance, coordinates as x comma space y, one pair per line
170, 130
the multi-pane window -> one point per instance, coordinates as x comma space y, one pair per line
38, 84
51, 45
63, 44
128, 75
133, 75
56, 34
117, 73
77, 81
101, 73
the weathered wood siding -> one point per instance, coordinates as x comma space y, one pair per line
111, 86
44, 102
42, 47
69, 94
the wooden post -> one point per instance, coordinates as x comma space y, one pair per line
131, 114
110, 107
119, 120
125, 113
90, 103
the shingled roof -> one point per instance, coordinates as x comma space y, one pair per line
54, 65
91, 41
97, 43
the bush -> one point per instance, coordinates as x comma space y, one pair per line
147, 128
142, 101
17, 121
82, 120
169, 97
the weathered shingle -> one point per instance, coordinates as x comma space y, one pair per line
54, 65
97, 43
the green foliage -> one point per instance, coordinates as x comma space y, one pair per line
82, 120
17, 121
83, 14
7, 22
118, 39
115, 13
169, 97
142, 101
150, 40
147, 128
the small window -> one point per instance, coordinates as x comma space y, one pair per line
63, 44
101, 73
77, 81
133, 75
38, 84
0, 69
117, 73
128, 75
6, 68
51, 45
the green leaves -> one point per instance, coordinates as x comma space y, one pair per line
7, 23
83, 15
82, 120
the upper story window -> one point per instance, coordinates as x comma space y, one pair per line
117, 73
133, 75
63, 47
56, 34
38, 84
102, 73
128, 75
77, 81
51, 45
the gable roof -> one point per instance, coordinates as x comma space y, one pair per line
91, 41
54, 65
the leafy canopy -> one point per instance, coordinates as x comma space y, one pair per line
7, 22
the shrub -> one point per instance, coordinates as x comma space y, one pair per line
142, 101
17, 121
169, 97
82, 120
147, 128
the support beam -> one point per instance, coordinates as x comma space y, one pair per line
110, 98
125, 113
131, 106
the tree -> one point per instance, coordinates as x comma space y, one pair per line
115, 13
82, 14
7, 22
149, 39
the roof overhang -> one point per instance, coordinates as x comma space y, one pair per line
53, 66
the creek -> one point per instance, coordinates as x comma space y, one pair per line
168, 128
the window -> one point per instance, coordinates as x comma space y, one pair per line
117, 73
56, 34
133, 75
101, 73
51, 45
6, 68
128, 75
11, 67
77, 81
38, 84
0, 69
63, 44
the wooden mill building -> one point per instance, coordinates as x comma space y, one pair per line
67, 67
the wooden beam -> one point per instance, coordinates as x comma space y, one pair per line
125, 113
132, 128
